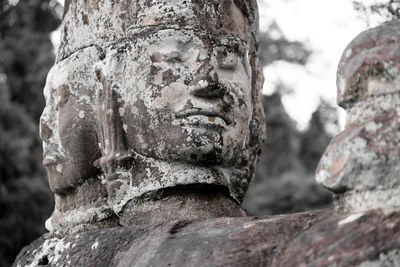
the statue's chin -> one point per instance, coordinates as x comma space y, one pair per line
211, 154
150, 174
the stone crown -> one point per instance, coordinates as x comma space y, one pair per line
123, 18
369, 63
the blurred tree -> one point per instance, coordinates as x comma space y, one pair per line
275, 46
282, 139
284, 180
384, 10
323, 125
25, 58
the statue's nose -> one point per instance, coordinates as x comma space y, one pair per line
206, 83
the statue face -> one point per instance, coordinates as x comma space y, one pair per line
67, 123
183, 96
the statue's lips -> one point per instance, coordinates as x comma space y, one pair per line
49, 161
211, 116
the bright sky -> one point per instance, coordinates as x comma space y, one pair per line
326, 27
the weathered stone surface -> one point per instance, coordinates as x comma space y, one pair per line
391, 258
70, 145
218, 242
361, 164
345, 240
104, 22
318, 238
191, 203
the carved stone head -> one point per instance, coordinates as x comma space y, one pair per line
361, 164
68, 123
70, 143
164, 94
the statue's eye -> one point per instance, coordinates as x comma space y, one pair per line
173, 57
227, 59
62, 95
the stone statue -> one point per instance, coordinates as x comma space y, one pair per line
361, 164
152, 117
70, 145
152, 128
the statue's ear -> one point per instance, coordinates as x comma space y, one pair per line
114, 152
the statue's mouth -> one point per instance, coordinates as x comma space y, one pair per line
203, 116
50, 161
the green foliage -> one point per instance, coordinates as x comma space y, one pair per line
25, 58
